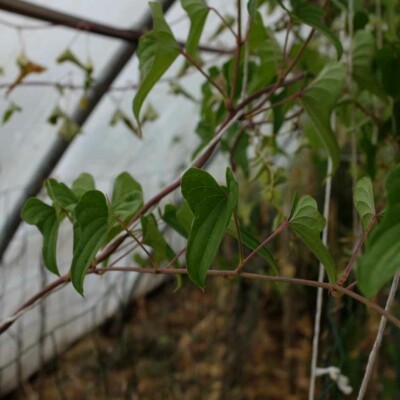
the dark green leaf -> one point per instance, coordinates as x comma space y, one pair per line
388, 61
60, 193
252, 7
307, 223
198, 12
92, 216
381, 260
363, 53
35, 212
155, 239
180, 219
212, 206
364, 201
318, 101
157, 50
126, 190
312, 14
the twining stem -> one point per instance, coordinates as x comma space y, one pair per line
287, 72
173, 261
275, 233
199, 161
140, 244
4, 325
204, 73
285, 46
224, 21
294, 96
269, 89
357, 250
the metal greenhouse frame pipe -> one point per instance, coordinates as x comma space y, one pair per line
117, 62
29, 10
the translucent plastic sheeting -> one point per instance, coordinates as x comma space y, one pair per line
102, 150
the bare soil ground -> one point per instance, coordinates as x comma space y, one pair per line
186, 345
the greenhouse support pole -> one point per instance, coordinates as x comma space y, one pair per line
117, 62
55, 17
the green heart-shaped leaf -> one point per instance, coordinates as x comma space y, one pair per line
60, 193
155, 239
318, 100
364, 201
127, 199
212, 206
307, 223
91, 216
312, 14
381, 260
198, 12
157, 50
44, 217
83, 184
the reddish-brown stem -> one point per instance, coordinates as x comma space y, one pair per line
172, 262
29, 303
224, 273
269, 89
357, 250
166, 191
275, 233
287, 72
294, 96
289, 118
224, 21
198, 67
140, 244
332, 287
285, 46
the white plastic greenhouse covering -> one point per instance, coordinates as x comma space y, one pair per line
100, 149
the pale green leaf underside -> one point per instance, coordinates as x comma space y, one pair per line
307, 223
212, 206
83, 184
318, 100
157, 50
44, 217
364, 201
127, 199
60, 193
198, 12
92, 217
